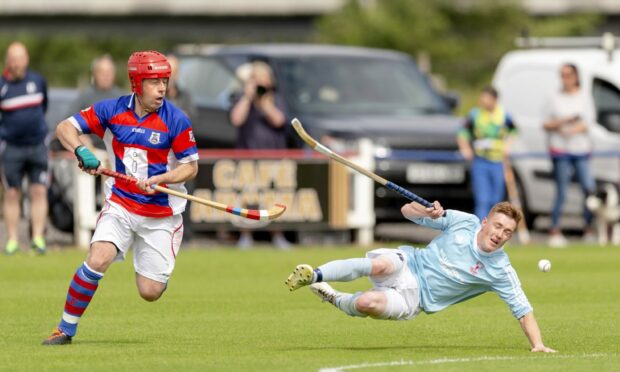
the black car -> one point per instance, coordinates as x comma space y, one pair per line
60, 191
343, 94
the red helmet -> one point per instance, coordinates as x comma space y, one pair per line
148, 64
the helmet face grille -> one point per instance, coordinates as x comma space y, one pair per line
146, 65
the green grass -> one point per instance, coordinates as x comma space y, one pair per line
229, 310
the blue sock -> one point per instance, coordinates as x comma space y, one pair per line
81, 291
343, 270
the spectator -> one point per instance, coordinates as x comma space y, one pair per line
485, 140
174, 93
260, 122
183, 101
568, 121
23, 103
102, 86
102, 83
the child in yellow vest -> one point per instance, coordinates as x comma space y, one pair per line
484, 140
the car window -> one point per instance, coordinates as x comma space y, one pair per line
354, 85
60, 102
208, 81
607, 102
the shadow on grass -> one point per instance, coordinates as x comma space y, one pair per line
409, 347
108, 342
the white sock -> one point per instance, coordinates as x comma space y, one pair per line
343, 270
346, 303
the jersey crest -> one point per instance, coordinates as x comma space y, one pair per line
31, 87
155, 138
474, 269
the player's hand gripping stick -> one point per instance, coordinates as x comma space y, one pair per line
253, 214
86, 158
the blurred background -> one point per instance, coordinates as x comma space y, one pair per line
463, 39
446, 52
64, 36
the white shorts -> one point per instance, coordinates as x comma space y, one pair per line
401, 287
156, 241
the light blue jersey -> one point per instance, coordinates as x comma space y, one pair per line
453, 269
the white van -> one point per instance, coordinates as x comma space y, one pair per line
525, 80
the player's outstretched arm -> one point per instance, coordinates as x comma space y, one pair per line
417, 210
532, 332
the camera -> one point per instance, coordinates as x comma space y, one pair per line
261, 90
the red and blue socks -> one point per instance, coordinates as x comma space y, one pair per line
81, 291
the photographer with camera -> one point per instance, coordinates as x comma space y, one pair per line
259, 118
568, 121
258, 113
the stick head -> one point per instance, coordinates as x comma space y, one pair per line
276, 211
260, 219
302, 133
296, 124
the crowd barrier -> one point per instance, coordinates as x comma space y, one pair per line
320, 195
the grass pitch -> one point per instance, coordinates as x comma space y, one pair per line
229, 310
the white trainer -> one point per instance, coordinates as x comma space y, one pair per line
301, 276
557, 241
325, 292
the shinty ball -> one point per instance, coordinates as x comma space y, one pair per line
544, 265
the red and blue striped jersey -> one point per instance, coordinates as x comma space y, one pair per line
142, 148
23, 104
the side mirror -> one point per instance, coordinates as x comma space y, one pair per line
452, 99
611, 121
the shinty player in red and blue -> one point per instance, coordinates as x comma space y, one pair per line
152, 140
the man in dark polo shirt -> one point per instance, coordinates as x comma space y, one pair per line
23, 102
260, 120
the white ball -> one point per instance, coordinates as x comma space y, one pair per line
544, 265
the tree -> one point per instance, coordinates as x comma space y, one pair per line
65, 60
465, 39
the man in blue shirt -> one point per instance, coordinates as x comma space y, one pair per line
466, 260
23, 102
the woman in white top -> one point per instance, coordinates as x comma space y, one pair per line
567, 125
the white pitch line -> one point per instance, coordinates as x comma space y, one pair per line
456, 360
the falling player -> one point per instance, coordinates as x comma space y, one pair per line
466, 260
150, 139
